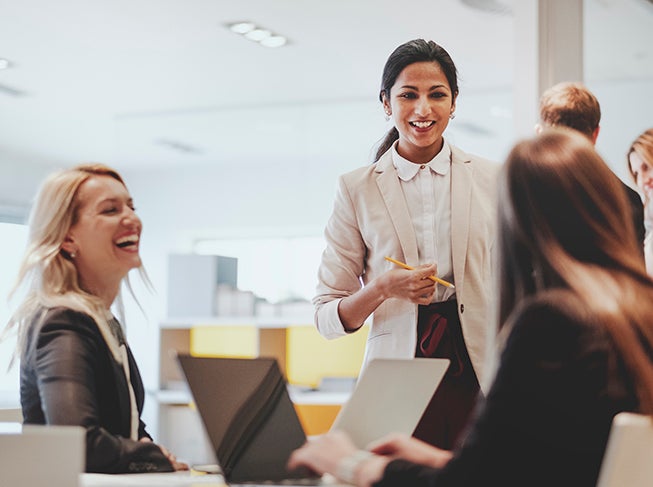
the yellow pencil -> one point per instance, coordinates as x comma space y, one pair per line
432, 278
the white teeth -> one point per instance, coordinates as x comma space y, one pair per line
422, 125
127, 239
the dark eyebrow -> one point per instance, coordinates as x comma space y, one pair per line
434, 87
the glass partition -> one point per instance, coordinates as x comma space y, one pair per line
13, 237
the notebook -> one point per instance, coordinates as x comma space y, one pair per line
253, 426
41, 455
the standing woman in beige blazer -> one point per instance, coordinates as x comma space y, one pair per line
432, 206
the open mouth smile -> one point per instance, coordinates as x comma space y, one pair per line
127, 241
422, 125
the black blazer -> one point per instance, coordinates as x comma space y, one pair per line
548, 414
68, 376
637, 209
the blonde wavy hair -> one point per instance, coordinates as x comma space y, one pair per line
47, 272
643, 147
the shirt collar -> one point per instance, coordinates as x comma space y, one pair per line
407, 170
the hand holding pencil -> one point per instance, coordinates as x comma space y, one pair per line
407, 267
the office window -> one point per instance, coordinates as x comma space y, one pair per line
618, 68
13, 237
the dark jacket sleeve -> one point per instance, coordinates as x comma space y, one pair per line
79, 383
547, 416
637, 210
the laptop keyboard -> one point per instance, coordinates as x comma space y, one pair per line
215, 469
287, 482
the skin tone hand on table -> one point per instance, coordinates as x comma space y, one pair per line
325, 454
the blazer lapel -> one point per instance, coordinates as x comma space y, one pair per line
461, 193
390, 188
123, 398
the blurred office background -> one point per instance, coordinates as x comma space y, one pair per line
233, 148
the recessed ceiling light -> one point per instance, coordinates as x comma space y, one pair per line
256, 33
4, 63
242, 27
274, 41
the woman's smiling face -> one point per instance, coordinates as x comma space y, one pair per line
643, 173
420, 104
105, 236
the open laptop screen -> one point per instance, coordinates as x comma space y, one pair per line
248, 416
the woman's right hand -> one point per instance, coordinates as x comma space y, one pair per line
414, 286
176, 464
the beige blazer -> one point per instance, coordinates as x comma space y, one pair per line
370, 220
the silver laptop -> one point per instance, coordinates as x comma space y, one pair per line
390, 397
627, 461
253, 426
41, 455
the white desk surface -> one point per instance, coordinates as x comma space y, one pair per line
150, 480
177, 479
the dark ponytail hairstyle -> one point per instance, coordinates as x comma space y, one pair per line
415, 51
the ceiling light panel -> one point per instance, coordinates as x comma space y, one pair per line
261, 35
242, 27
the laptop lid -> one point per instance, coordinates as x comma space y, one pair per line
627, 458
41, 455
248, 416
390, 396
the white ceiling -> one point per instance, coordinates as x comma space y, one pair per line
120, 81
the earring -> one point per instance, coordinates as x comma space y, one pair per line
387, 115
452, 116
